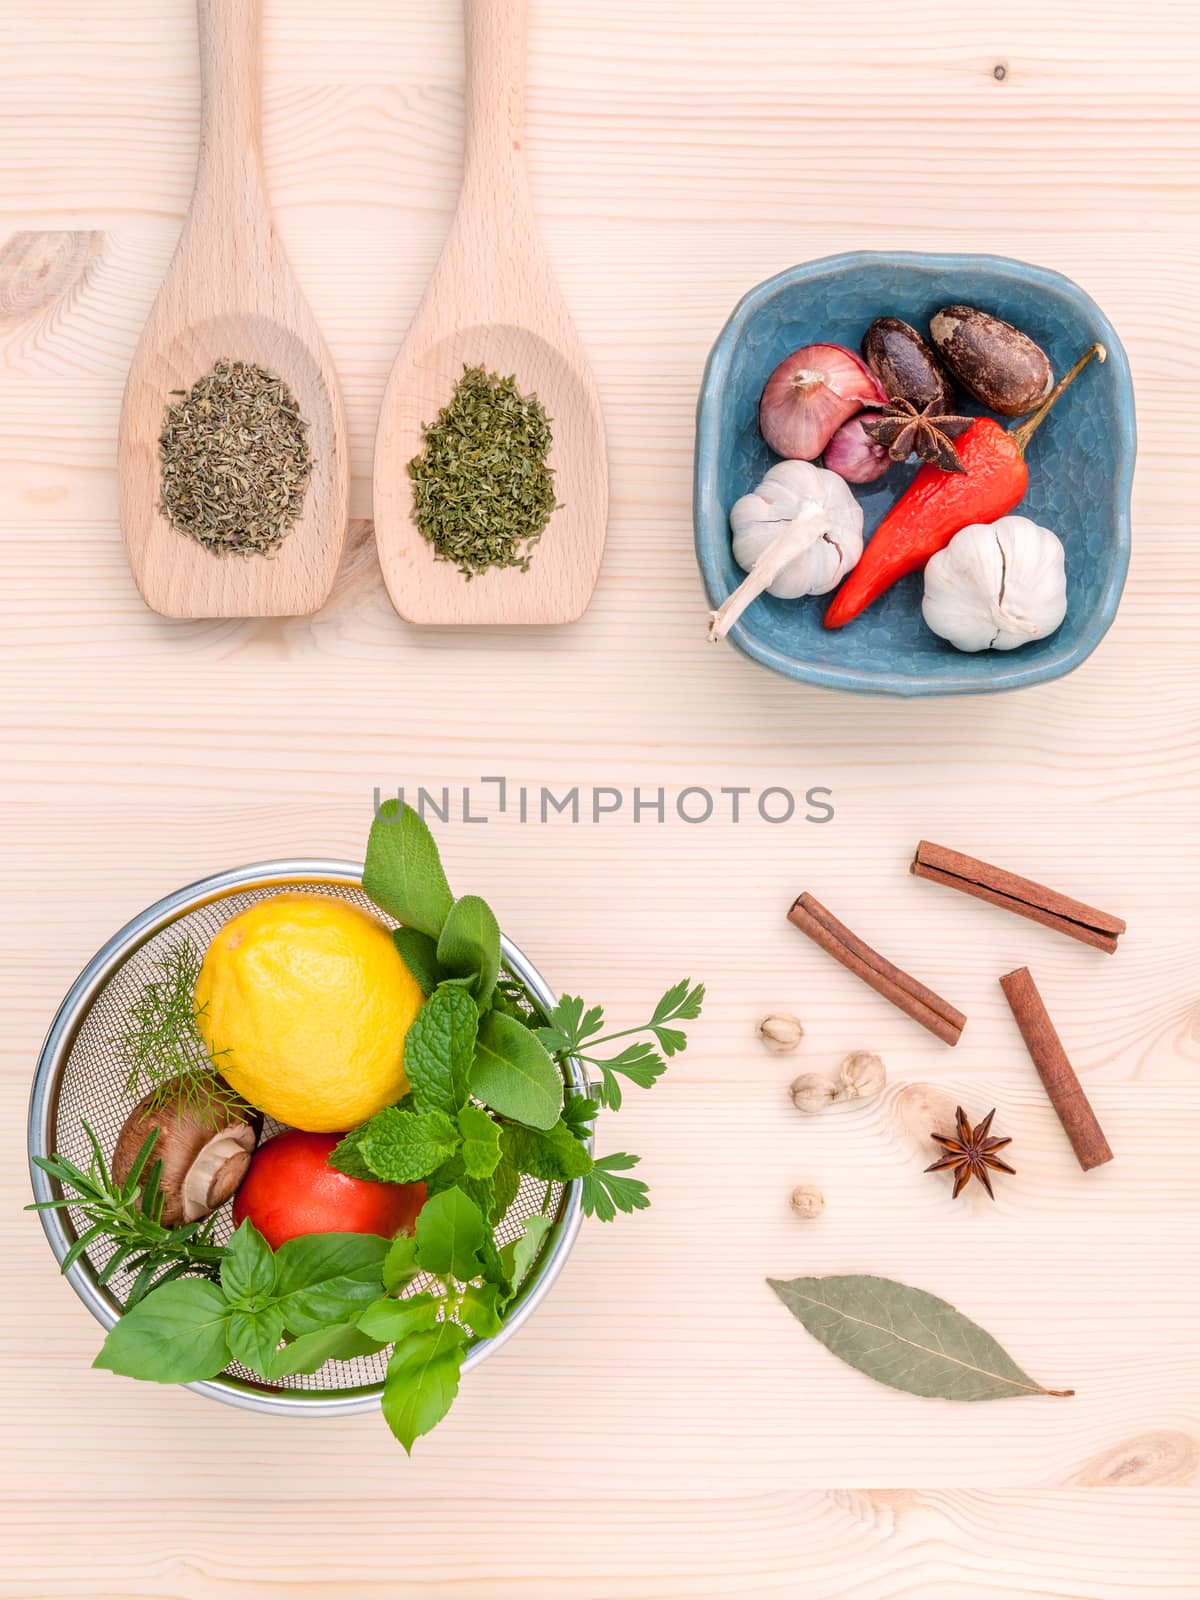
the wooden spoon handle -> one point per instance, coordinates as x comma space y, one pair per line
230, 165
496, 32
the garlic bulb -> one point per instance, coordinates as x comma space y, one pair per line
996, 586
800, 532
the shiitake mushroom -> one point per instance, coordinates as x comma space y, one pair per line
1001, 366
906, 366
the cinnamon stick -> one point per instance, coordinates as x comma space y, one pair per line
1056, 1072
1022, 895
904, 992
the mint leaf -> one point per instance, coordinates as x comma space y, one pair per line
419, 954
422, 1381
555, 1156
479, 1310
177, 1334
400, 1264
519, 1256
388, 1320
403, 1146
440, 1048
469, 946
514, 1074
403, 872
346, 1156
248, 1269
254, 1337
605, 1193
481, 1142
450, 1235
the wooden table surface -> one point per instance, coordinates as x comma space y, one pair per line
661, 1428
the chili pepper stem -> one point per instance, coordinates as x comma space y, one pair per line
1022, 434
803, 532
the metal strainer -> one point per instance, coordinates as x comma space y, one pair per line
80, 1078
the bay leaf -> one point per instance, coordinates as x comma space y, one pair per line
905, 1338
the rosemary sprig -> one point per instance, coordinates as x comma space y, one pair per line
161, 1049
142, 1246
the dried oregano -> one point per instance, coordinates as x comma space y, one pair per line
235, 459
482, 489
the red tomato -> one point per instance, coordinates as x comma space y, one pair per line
291, 1189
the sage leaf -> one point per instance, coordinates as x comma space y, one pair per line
450, 1234
906, 1338
419, 954
440, 1048
403, 873
403, 1146
469, 946
514, 1074
422, 1380
177, 1334
480, 1142
254, 1337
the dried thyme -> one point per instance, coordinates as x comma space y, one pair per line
482, 489
235, 459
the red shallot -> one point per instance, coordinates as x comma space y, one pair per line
808, 397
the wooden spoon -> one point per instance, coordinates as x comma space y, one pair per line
493, 301
230, 293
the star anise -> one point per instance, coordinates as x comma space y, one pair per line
904, 430
970, 1153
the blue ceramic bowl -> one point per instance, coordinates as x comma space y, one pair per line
1080, 468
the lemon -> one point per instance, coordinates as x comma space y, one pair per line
305, 1003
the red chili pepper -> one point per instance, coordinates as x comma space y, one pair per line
937, 504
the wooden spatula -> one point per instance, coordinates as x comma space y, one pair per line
493, 301
230, 293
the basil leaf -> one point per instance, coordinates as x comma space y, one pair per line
439, 1050
450, 1233
555, 1156
400, 1267
325, 1304
254, 1337
419, 954
315, 1257
506, 1184
403, 872
905, 1338
479, 1310
248, 1268
422, 1381
389, 1320
513, 1073
177, 1334
403, 1146
311, 1351
480, 1142
469, 946
519, 1256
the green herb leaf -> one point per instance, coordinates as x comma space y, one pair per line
314, 1259
419, 954
479, 1310
681, 1002
328, 1304
403, 1146
570, 1024
248, 1270
347, 1156
523, 1252
605, 1193
422, 1380
555, 1156
310, 1352
506, 1184
440, 1048
579, 1113
388, 1320
469, 946
403, 872
513, 1073
400, 1264
905, 1338
254, 1337
481, 1142
176, 1335
450, 1234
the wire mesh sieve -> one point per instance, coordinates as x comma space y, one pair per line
81, 1077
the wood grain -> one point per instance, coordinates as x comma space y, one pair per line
230, 295
493, 302
661, 1430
